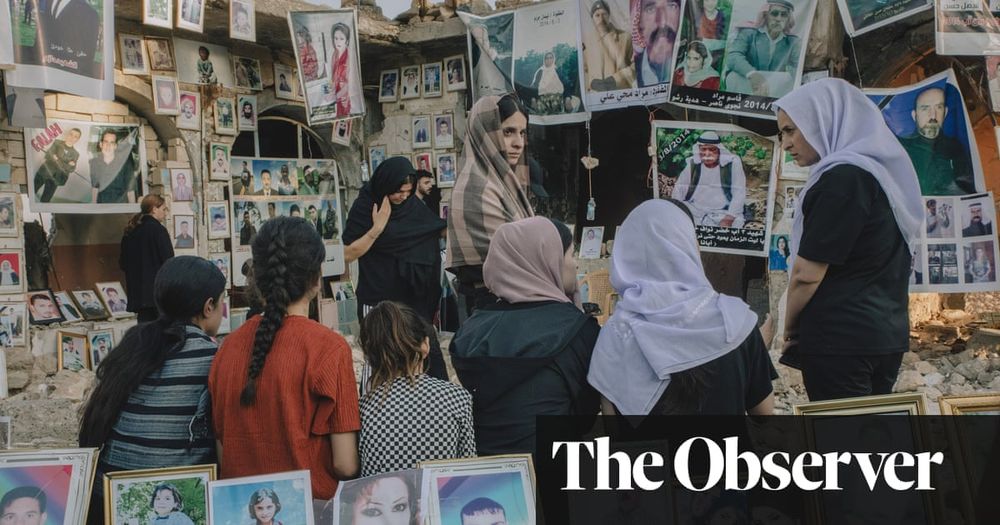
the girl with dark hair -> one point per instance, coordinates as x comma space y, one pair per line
145, 247
285, 369
150, 406
406, 415
264, 506
527, 354
168, 506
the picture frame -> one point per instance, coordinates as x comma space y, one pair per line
376, 155
9, 215
5, 433
114, 298
409, 82
388, 82
42, 307
13, 322
223, 261
166, 95
970, 404
444, 131
181, 185
99, 343
158, 13
228, 499
454, 72
591, 242
132, 50
67, 307
238, 316
289, 90
243, 21
431, 79
342, 132
225, 116
90, 305
189, 113
965, 437
203, 63
913, 403
511, 474
349, 504
219, 159
127, 494
217, 218
11, 271
422, 161
247, 120
65, 476
421, 132
246, 73
191, 15
184, 232
72, 351
161, 53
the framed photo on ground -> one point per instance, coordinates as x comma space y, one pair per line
398, 490
132, 51
509, 480
67, 308
72, 351
166, 494
454, 70
62, 478
100, 343
284, 497
43, 308
225, 116
114, 298
970, 437
90, 305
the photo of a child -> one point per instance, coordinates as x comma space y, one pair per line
168, 506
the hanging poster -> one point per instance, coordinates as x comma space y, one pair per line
758, 61
620, 37
85, 167
491, 42
931, 123
957, 251
724, 175
201, 63
862, 16
66, 46
326, 50
965, 27
993, 74
546, 62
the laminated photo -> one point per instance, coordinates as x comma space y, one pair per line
286, 82
218, 220
862, 16
219, 162
326, 50
161, 54
454, 68
189, 115
101, 342
388, 86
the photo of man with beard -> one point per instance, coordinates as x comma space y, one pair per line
943, 164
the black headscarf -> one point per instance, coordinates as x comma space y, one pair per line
404, 263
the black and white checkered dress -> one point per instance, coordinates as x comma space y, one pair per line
431, 419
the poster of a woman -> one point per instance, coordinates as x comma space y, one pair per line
327, 55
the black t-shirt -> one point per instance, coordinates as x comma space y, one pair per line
860, 307
728, 385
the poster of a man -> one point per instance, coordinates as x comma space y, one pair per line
712, 184
24, 504
938, 216
72, 352
443, 137
60, 161
389, 82
654, 38
182, 233
607, 50
763, 60
976, 218
43, 309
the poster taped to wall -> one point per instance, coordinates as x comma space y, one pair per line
962, 27
326, 50
724, 175
69, 48
957, 251
85, 167
744, 59
863, 16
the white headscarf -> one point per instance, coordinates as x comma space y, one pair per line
845, 127
669, 318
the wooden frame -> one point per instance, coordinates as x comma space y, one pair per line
89, 309
225, 124
143, 55
454, 83
62, 336
152, 41
965, 457
115, 481
198, 26
94, 350
115, 308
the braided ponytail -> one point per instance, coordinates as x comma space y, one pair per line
287, 255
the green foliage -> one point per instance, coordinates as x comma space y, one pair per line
567, 67
134, 499
755, 152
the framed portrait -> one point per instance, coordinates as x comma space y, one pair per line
72, 351
388, 90
181, 185
243, 21
971, 439
454, 70
218, 219
241, 500
342, 132
114, 298
100, 342
218, 158
445, 208
132, 51
161, 54
183, 232
165, 95
43, 308
225, 116
13, 322
376, 155
90, 305
171, 495
506, 481
11, 271
444, 131
286, 82
8, 215
62, 478
203, 63
432, 79
221, 261
591, 241
238, 316
421, 132
409, 78
225, 324
189, 116
246, 72
191, 15
398, 490
159, 13
422, 161
327, 55
247, 112
67, 307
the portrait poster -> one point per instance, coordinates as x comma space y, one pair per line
376, 155
11, 271
66, 307
445, 163
591, 242
291, 492
85, 167
9, 223
165, 96
993, 81
91, 306
184, 233
432, 79
101, 342
505, 482
224, 324
70, 50
409, 82
243, 20
158, 13
286, 82
546, 62
73, 354
161, 54
114, 298
177, 494
400, 490
189, 116
201, 63
132, 51
342, 132
862, 16
62, 476
739, 73
964, 27
246, 71
930, 120
724, 175
422, 161
219, 162
246, 112
491, 41
454, 68
388, 86
327, 54
958, 249
13, 321
225, 116
191, 15
218, 220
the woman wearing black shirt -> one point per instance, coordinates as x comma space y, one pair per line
145, 247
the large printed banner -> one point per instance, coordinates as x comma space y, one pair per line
724, 175
85, 167
65, 46
6, 39
862, 16
965, 27
327, 53
741, 56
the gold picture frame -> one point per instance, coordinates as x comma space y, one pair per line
971, 404
856, 406
968, 448
520, 464
114, 481
64, 336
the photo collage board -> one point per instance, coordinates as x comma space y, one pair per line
264, 188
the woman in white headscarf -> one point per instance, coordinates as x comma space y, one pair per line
674, 345
858, 219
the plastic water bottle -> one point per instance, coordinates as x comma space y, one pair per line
591, 209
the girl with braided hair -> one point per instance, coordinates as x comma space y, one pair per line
282, 368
